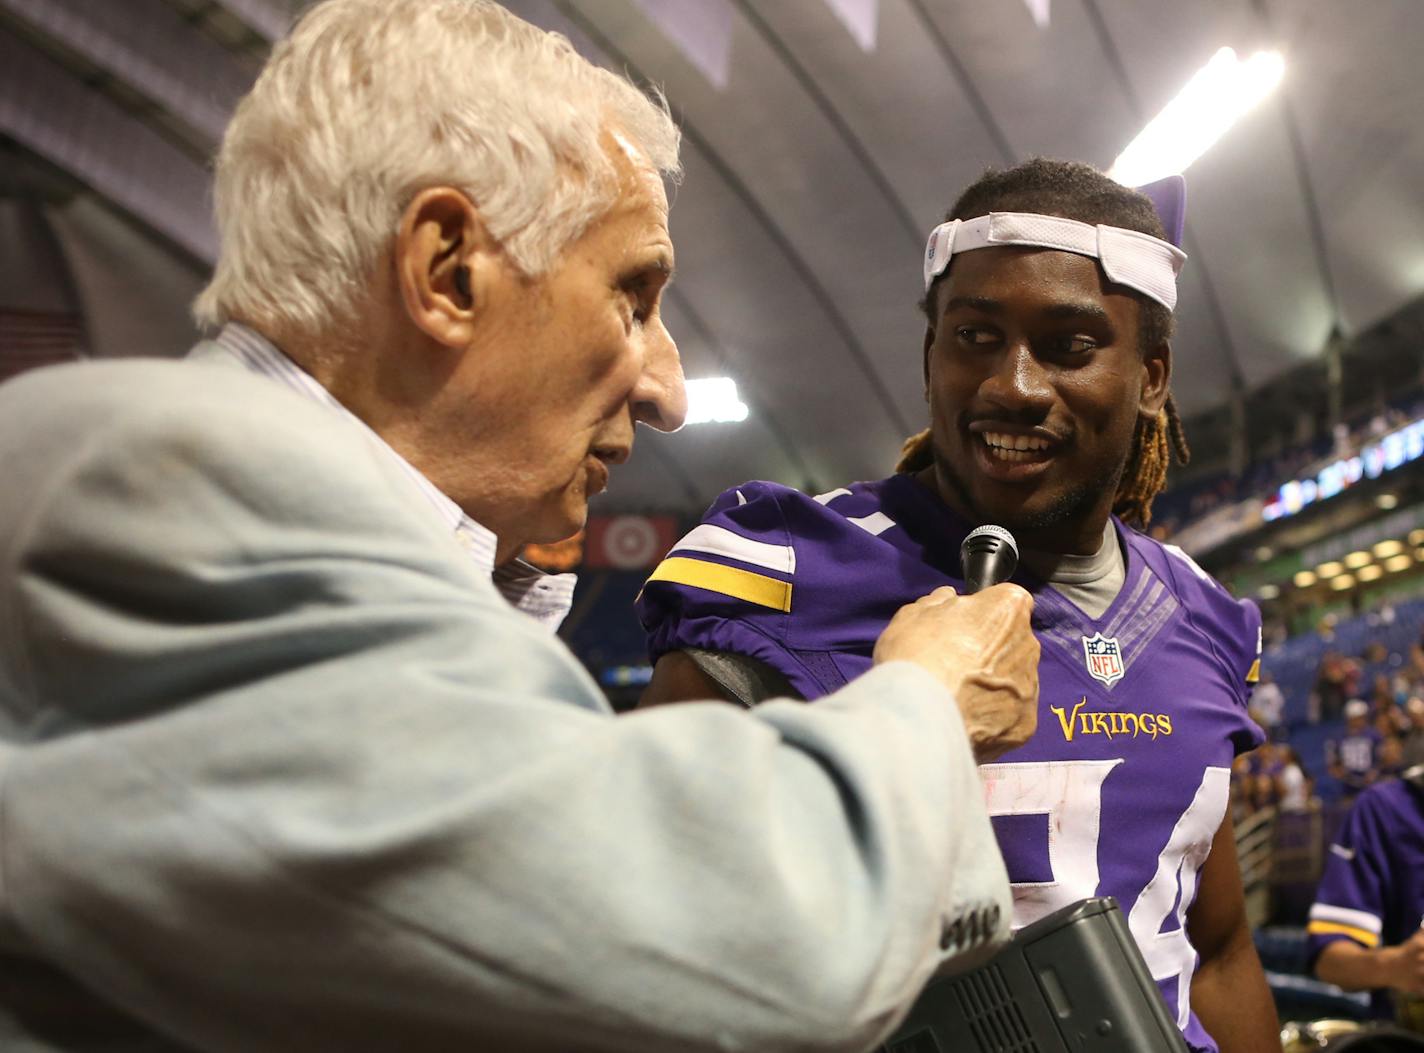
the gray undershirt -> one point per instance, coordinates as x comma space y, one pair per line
1090, 583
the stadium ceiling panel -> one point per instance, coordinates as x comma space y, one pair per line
823, 140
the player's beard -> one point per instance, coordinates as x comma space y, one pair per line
1069, 508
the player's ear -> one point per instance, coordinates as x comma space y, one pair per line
928, 306
925, 359
1156, 379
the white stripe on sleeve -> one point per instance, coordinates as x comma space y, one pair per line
1341, 915
876, 523
720, 541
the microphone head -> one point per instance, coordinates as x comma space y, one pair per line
988, 556
980, 537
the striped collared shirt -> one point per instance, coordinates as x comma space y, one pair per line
545, 597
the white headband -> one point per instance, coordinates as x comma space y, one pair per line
1129, 257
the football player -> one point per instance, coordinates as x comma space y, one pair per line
1049, 298
1367, 925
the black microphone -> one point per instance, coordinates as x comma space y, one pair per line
987, 557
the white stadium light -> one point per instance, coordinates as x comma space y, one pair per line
1213, 100
860, 18
714, 400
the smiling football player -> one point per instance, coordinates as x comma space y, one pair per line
1049, 293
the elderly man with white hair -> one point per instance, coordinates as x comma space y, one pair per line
289, 756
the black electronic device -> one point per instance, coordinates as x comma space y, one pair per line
987, 556
1073, 982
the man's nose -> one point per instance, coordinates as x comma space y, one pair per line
660, 396
1019, 381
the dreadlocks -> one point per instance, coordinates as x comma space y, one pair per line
1078, 191
1153, 444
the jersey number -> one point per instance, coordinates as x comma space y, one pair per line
1069, 795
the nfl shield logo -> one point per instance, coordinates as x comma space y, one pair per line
1103, 657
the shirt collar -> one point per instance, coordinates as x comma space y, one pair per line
545, 597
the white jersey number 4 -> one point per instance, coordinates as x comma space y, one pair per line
1069, 793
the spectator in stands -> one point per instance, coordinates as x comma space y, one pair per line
1387, 719
1416, 658
1365, 927
1294, 787
1413, 738
1271, 776
1384, 706
1354, 757
1402, 685
1391, 757
1268, 705
1335, 682
1267, 763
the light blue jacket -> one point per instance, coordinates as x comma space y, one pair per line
279, 770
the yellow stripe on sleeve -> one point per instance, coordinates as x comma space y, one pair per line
1254, 673
729, 581
1334, 928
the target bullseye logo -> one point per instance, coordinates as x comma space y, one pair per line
630, 542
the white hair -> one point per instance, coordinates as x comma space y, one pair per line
368, 102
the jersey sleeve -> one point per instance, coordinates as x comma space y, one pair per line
728, 586
1350, 902
1232, 629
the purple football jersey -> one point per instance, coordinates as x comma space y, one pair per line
1141, 711
1372, 891
1358, 755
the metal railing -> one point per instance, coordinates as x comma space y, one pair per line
1281, 853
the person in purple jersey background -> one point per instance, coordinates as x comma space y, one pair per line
1050, 414
1367, 925
1353, 759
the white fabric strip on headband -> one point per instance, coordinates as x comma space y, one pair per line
1129, 257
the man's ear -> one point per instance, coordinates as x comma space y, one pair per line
1156, 379
445, 261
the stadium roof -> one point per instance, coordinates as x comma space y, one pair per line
824, 138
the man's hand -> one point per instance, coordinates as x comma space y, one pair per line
1356, 968
982, 649
1407, 969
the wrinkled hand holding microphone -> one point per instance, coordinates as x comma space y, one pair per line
979, 645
